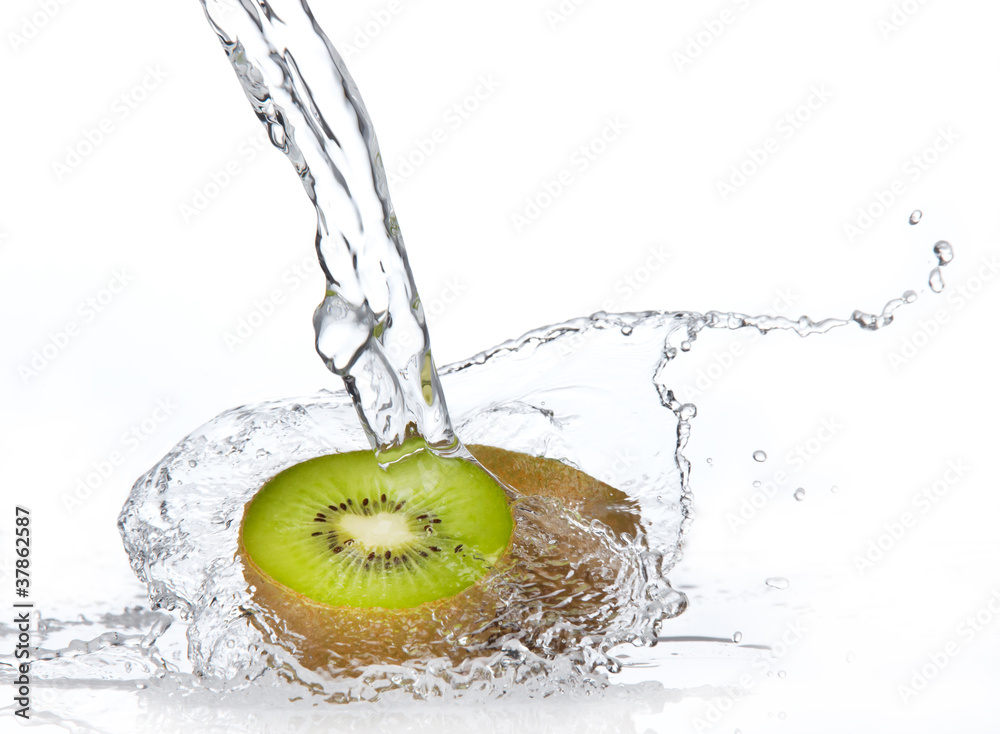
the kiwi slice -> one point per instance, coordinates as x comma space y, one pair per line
550, 567
342, 531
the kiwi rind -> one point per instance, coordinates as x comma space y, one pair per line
538, 475
340, 638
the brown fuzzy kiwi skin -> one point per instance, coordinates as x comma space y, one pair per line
537, 475
339, 638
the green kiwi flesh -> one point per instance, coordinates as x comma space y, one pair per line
342, 531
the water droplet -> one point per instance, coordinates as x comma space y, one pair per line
910, 296
759, 456
709, 460
627, 330
777, 582
782, 674
800, 494
916, 217
835, 489
737, 636
685, 346
936, 281
688, 411
756, 484
781, 714
192, 463
944, 252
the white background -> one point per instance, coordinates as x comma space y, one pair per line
896, 74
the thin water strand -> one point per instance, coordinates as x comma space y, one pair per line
806, 326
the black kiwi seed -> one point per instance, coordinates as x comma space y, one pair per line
319, 533
458, 547
343, 506
365, 502
383, 498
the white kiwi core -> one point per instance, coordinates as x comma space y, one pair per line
381, 530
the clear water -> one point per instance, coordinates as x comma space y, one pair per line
539, 395
370, 327
945, 255
593, 392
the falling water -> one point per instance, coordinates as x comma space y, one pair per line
370, 327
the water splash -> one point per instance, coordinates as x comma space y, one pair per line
916, 216
592, 392
181, 523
